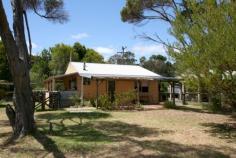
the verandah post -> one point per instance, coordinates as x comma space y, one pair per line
138, 99
96, 93
82, 91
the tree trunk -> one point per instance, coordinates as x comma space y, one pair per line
17, 55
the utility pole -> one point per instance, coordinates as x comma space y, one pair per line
122, 53
70, 56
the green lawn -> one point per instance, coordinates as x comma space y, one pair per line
185, 132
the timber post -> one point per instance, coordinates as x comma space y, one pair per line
173, 92
138, 97
82, 91
183, 93
96, 93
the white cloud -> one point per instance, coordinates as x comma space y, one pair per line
80, 36
34, 45
147, 50
105, 51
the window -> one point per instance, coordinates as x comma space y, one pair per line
144, 89
87, 81
73, 85
143, 86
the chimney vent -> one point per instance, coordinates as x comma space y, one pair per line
84, 67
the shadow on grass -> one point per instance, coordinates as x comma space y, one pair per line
49, 144
222, 130
192, 109
99, 138
113, 132
167, 149
68, 115
102, 131
200, 109
132, 130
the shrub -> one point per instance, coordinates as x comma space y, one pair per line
76, 100
169, 105
212, 107
122, 100
104, 102
125, 99
93, 102
139, 107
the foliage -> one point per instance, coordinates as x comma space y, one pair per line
204, 49
139, 107
169, 105
80, 50
61, 55
125, 99
55, 60
4, 67
76, 100
122, 100
92, 56
126, 58
158, 64
40, 69
93, 102
104, 102
212, 107
52, 10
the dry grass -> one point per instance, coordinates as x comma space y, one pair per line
186, 132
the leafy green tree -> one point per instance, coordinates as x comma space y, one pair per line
158, 64
126, 58
22, 119
80, 50
40, 69
61, 56
92, 56
204, 49
4, 67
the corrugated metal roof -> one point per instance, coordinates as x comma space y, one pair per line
111, 71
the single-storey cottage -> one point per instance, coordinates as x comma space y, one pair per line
90, 80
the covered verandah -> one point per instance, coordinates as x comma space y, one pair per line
70, 80
175, 89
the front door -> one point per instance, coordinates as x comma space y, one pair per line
111, 89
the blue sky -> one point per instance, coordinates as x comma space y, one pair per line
95, 24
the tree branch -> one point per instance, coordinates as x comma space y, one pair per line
157, 40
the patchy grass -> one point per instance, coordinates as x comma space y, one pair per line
187, 131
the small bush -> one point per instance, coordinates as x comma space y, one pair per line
93, 102
122, 101
125, 99
169, 105
212, 107
76, 100
104, 102
139, 107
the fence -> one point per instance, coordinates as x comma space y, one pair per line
53, 99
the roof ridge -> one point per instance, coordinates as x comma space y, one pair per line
105, 64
